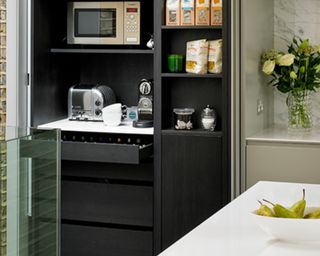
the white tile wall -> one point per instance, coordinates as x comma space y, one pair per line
300, 18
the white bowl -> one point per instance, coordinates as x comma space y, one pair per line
290, 229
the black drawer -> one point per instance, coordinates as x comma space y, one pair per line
101, 241
105, 152
107, 203
130, 172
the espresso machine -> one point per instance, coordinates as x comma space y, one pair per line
145, 104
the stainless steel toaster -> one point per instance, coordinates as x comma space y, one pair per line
86, 101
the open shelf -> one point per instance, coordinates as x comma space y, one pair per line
189, 75
191, 27
103, 51
194, 132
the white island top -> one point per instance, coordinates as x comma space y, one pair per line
232, 231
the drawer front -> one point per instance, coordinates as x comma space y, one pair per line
142, 172
100, 241
104, 152
107, 203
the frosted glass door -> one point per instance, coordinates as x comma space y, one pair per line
31, 212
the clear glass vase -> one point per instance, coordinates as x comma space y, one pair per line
299, 111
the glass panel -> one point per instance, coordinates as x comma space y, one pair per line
95, 22
30, 206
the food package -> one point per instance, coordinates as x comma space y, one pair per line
215, 57
203, 12
197, 57
173, 13
216, 12
187, 12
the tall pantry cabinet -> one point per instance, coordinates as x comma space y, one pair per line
138, 207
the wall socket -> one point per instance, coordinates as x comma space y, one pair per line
260, 106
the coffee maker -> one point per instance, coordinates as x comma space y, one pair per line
145, 104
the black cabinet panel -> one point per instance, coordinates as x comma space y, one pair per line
191, 183
107, 203
142, 172
105, 152
99, 241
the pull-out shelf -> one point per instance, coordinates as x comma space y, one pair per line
94, 142
105, 152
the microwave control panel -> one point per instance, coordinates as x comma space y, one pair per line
132, 23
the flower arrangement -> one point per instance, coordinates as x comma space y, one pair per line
296, 72
299, 69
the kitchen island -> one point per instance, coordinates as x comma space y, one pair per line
232, 231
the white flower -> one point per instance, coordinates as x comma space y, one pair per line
268, 67
286, 60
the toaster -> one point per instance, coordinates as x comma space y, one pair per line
86, 101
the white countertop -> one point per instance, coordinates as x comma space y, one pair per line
232, 232
83, 126
280, 134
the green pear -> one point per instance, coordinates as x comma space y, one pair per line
313, 215
282, 212
299, 206
264, 210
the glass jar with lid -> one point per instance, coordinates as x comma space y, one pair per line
183, 118
208, 118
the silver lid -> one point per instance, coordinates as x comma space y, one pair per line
208, 110
183, 111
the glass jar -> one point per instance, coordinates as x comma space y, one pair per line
208, 118
175, 62
183, 118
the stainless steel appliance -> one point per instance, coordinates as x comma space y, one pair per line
104, 23
85, 101
145, 105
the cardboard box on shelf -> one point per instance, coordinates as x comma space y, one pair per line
203, 12
173, 13
187, 12
216, 12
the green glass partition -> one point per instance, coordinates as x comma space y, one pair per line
29, 192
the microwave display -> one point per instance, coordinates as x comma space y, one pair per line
132, 10
95, 22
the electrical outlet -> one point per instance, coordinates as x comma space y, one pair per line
260, 106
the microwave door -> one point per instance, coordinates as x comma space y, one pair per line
102, 23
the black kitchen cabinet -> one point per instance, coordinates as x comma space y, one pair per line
124, 199
192, 182
82, 240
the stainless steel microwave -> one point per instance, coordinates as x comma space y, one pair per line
104, 23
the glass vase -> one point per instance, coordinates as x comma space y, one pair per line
299, 111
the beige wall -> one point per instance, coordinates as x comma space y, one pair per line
257, 36
257, 29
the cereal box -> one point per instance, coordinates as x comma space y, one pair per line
203, 12
216, 12
187, 12
173, 13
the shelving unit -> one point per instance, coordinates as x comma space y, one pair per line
183, 157
189, 75
194, 132
102, 51
191, 27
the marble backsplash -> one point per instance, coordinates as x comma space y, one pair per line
300, 18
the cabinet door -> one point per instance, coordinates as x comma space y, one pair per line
283, 162
191, 183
